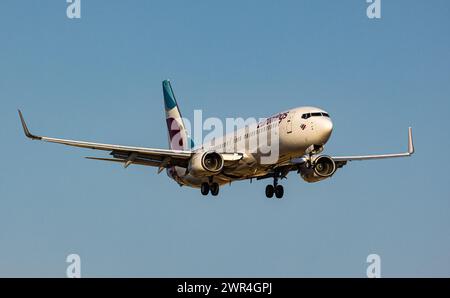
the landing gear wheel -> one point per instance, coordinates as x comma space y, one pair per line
214, 187
269, 191
204, 188
279, 191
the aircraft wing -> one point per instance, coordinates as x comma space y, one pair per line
161, 158
293, 165
343, 159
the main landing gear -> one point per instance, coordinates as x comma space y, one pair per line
276, 189
206, 187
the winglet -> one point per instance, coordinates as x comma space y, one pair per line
410, 142
25, 128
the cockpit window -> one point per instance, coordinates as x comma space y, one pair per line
316, 114
306, 116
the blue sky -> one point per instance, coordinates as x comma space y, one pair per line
99, 79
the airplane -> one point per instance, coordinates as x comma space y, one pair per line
301, 134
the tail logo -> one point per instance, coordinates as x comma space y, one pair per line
176, 141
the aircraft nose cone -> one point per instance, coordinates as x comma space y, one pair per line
325, 128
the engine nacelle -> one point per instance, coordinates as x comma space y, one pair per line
205, 164
320, 168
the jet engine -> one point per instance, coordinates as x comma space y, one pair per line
205, 164
319, 168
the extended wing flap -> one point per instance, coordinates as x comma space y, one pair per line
124, 161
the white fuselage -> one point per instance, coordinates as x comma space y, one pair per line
296, 130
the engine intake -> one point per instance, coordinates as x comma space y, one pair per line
324, 166
212, 162
321, 167
205, 164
